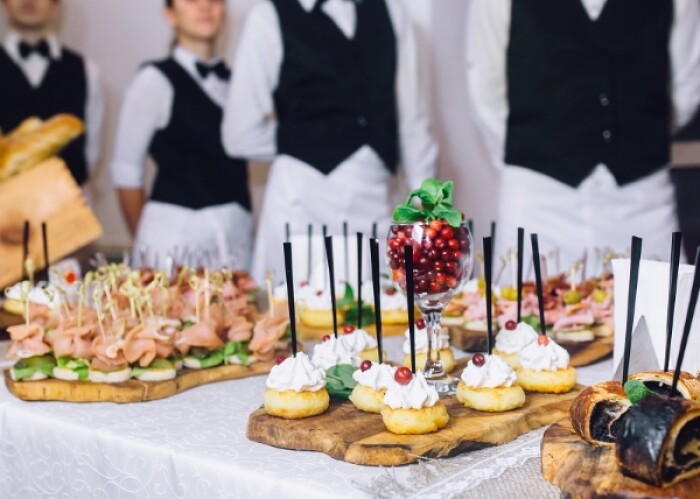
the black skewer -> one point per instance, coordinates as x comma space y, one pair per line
359, 280
45, 248
694, 291
409, 298
521, 249
635, 258
310, 231
287, 232
488, 258
374, 257
674, 263
25, 249
538, 280
374, 230
331, 274
347, 252
290, 294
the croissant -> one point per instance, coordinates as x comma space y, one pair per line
32, 143
661, 382
597, 412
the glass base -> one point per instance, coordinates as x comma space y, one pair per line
446, 385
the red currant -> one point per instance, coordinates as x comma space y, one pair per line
436, 225
438, 266
366, 365
420, 324
327, 338
447, 232
390, 291
280, 359
479, 359
453, 244
348, 329
430, 233
511, 325
403, 375
440, 243
543, 340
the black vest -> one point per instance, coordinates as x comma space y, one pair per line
194, 171
63, 90
336, 94
583, 92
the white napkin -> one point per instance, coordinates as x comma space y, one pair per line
652, 302
642, 357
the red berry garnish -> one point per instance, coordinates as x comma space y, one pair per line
440, 243
280, 359
447, 233
366, 365
327, 338
319, 292
420, 324
391, 291
453, 244
543, 340
70, 277
348, 329
479, 359
303, 284
436, 225
403, 375
511, 325
430, 233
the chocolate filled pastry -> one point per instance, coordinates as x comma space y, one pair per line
659, 442
661, 383
598, 411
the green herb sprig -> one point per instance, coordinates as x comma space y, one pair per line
435, 198
339, 381
636, 390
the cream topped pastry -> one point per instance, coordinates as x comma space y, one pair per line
545, 367
394, 306
360, 342
331, 352
296, 388
421, 342
511, 339
316, 305
488, 384
416, 394
372, 383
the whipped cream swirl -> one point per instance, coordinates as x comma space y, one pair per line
422, 340
494, 373
377, 377
298, 374
549, 357
414, 395
512, 341
333, 352
358, 340
394, 301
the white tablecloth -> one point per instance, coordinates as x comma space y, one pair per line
194, 445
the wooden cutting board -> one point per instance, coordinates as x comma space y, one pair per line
348, 434
582, 354
46, 193
582, 470
129, 391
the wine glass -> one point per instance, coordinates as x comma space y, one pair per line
442, 262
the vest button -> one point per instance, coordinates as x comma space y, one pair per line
607, 136
362, 121
604, 101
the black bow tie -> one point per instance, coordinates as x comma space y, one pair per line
41, 48
219, 69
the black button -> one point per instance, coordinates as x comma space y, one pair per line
362, 121
607, 136
604, 101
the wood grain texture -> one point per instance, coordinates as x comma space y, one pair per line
348, 434
582, 354
46, 193
129, 391
582, 470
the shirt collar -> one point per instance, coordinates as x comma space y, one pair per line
12, 39
188, 60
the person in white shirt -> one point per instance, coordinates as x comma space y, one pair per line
41, 77
200, 202
329, 90
577, 100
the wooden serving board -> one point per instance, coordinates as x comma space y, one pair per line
317, 333
129, 391
582, 470
582, 354
348, 434
46, 193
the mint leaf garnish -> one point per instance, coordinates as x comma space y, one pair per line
339, 381
436, 204
636, 390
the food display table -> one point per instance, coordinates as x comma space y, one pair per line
194, 445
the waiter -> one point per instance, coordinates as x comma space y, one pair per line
40, 77
577, 98
200, 203
329, 90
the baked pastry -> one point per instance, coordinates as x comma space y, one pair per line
596, 414
317, 309
512, 338
296, 389
661, 383
394, 308
361, 343
372, 383
659, 442
331, 352
412, 406
488, 384
421, 345
544, 367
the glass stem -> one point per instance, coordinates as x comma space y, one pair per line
433, 368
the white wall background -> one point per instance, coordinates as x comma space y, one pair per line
119, 35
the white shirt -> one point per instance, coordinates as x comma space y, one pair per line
146, 109
488, 29
34, 68
249, 126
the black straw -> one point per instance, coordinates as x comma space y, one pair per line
631, 303
290, 294
25, 249
488, 258
538, 280
521, 249
694, 291
374, 230
374, 257
672, 288
359, 280
331, 274
411, 311
310, 231
287, 232
45, 247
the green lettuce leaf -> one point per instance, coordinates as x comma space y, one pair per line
238, 349
339, 381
